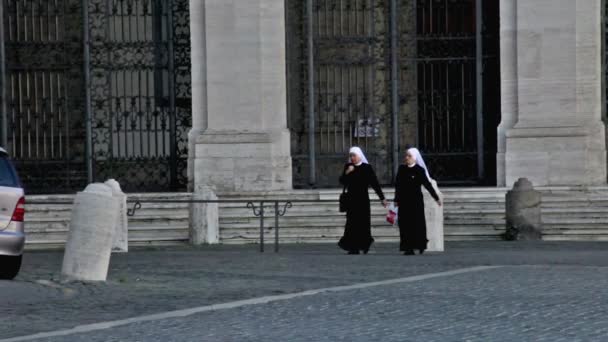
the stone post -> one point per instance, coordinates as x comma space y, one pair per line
434, 220
241, 141
92, 226
204, 217
559, 136
523, 212
121, 231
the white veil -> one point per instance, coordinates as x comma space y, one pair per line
356, 150
418, 158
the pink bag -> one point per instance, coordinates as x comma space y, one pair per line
392, 216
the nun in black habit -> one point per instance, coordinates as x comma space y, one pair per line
408, 197
357, 177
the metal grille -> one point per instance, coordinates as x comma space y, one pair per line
447, 83
42, 87
347, 103
385, 75
139, 132
130, 122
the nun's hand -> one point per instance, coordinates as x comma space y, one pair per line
385, 203
439, 202
350, 169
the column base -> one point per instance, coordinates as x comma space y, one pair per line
237, 161
501, 169
556, 155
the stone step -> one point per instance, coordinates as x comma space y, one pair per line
135, 235
331, 211
577, 231
269, 244
167, 220
574, 221
578, 237
573, 211
469, 214
572, 230
336, 232
141, 216
246, 224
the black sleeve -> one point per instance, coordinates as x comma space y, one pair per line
398, 184
344, 178
427, 184
373, 181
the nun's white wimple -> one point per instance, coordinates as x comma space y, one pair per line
357, 151
418, 158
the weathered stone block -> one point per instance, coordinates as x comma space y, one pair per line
433, 214
92, 226
204, 217
523, 212
121, 229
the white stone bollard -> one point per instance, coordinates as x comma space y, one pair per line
121, 230
434, 220
89, 245
204, 217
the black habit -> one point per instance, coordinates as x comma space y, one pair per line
408, 194
357, 232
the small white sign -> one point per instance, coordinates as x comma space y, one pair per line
367, 128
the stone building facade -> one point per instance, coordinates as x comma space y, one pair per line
539, 107
382, 74
251, 95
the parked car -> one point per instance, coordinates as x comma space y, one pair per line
12, 213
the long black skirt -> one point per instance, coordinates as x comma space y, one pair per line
357, 231
412, 225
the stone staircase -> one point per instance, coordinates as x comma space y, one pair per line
469, 214
575, 214
154, 224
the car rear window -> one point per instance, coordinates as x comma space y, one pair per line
8, 175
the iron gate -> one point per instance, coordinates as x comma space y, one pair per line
96, 89
42, 123
387, 74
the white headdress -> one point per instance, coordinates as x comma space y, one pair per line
357, 151
418, 158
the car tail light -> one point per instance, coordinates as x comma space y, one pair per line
19, 213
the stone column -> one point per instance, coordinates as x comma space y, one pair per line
559, 136
508, 82
199, 81
243, 143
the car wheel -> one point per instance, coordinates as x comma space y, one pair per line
9, 266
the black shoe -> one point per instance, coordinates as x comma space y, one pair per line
365, 251
353, 252
409, 252
421, 251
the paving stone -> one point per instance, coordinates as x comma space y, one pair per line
552, 291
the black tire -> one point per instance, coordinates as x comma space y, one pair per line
10, 266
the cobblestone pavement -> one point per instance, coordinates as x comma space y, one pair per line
547, 291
